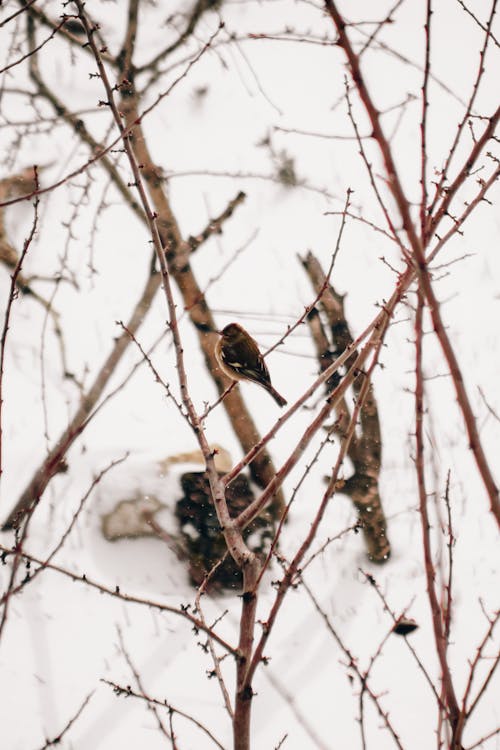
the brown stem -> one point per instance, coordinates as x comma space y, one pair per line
244, 692
365, 450
177, 253
40, 15
232, 535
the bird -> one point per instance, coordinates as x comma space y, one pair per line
239, 358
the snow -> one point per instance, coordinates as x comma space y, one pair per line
61, 636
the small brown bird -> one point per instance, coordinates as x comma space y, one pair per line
240, 359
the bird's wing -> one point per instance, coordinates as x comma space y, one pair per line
246, 358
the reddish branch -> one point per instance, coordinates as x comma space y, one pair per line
430, 573
396, 617
211, 646
231, 529
140, 686
127, 692
417, 248
255, 508
115, 592
471, 159
440, 186
423, 124
58, 738
466, 708
353, 664
293, 569
365, 450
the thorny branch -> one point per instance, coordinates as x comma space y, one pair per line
418, 249
58, 738
127, 692
437, 618
115, 592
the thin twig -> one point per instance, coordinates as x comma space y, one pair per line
417, 248
437, 615
423, 123
57, 740
353, 664
46, 563
138, 680
182, 611
128, 692
10, 300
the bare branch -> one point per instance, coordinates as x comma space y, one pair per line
57, 740
127, 691
182, 612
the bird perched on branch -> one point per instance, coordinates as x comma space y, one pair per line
240, 359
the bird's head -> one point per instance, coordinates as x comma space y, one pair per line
232, 332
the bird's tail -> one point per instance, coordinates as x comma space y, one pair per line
277, 397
